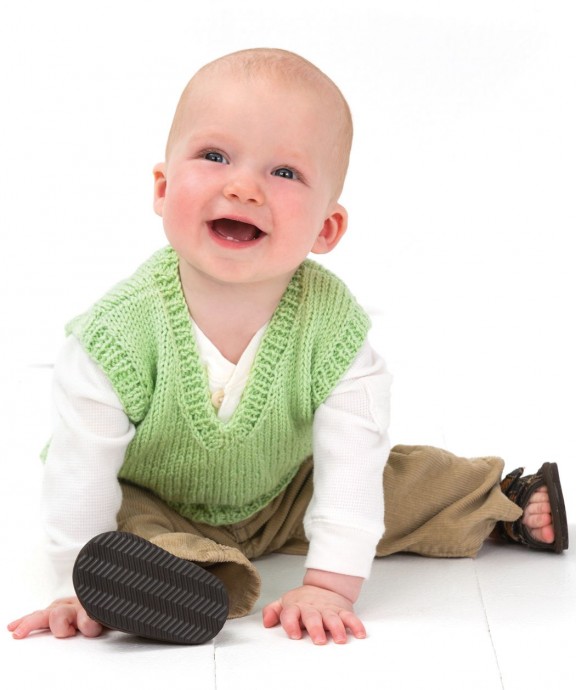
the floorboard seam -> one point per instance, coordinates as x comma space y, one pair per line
478, 585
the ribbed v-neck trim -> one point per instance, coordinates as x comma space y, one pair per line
193, 382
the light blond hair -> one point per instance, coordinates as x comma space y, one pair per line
288, 69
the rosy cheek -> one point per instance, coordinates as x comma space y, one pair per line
180, 197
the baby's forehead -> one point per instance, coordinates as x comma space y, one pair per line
216, 82
231, 89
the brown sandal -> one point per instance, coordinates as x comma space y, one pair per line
519, 489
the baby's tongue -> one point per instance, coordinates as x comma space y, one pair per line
235, 230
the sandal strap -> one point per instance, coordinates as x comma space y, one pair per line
519, 489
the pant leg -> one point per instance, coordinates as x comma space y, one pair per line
144, 514
439, 504
224, 550
436, 504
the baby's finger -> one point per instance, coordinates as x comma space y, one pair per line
63, 621
271, 614
87, 626
24, 626
14, 624
313, 622
354, 624
290, 619
334, 623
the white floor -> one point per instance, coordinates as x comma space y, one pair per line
505, 620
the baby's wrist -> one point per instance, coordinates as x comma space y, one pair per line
348, 586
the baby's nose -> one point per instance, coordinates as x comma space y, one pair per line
245, 189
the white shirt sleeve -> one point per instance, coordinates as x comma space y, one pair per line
81, 495
345, 518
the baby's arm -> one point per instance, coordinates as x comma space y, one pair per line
80, 494
345, 518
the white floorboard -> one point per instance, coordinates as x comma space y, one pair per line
505, 620
530, 601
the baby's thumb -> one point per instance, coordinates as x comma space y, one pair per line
271, 614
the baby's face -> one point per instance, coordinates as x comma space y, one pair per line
248, 189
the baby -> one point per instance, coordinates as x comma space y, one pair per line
224, 402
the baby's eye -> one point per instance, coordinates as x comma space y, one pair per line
215, 157
287, 173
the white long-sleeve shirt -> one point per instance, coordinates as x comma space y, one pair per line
91, 432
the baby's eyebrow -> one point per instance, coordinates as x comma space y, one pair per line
209, 134
294, 158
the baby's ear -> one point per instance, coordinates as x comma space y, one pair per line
159, 187
332, 231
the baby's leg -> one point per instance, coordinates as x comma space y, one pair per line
438, 504
212, 548
442, 505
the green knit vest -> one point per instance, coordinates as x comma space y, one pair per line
141, 336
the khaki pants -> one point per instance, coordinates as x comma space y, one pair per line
437, 504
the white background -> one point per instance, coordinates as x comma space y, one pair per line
460, 191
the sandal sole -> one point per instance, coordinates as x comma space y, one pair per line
127, 583
557, 506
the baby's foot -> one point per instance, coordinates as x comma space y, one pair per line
543, 523
537, 516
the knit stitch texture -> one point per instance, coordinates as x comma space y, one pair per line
141, 336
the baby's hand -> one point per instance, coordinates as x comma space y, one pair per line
63, 618
315, 610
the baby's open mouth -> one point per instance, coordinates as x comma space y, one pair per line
235, 230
